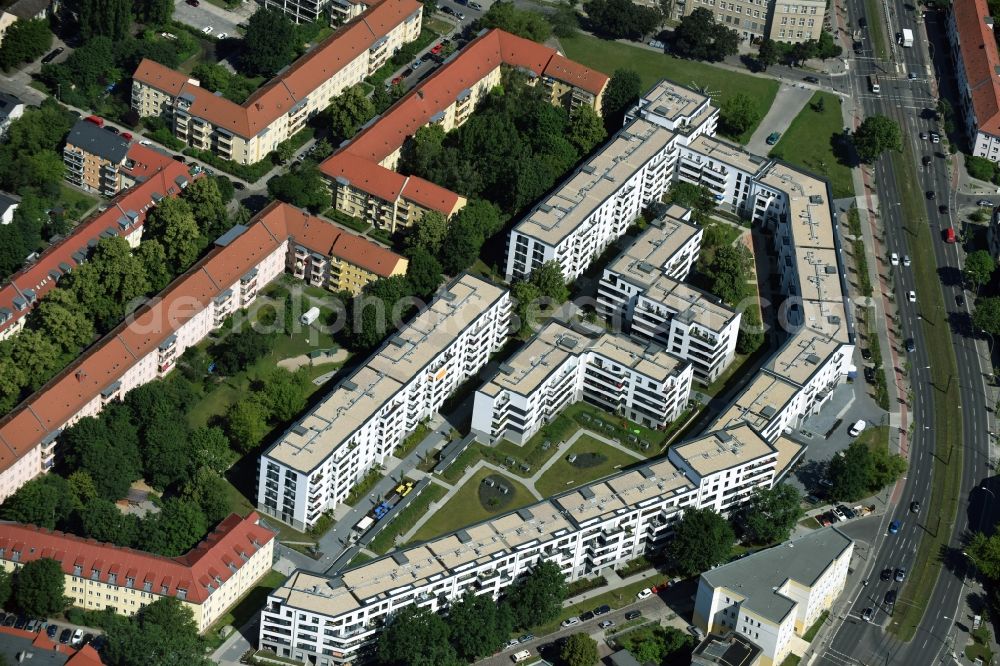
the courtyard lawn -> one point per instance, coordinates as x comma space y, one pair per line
406, 519
465, 507
563, 475
808, 143
246, 608
607, 56
75, 203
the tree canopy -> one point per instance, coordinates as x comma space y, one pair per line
416, 637
479, 626
348, 111
738, 114
860, 471
23, 42
702, 539
622, 92
302, 187
580, 650
270, 42
160, 634
979, 267
770, 514
700, 37
537, 597
521, 22
39, 588
986, 316
621, 19
875, 135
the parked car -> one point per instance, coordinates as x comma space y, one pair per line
65, 636
396, 81
866, 353
21, 622
222, 35
437, 48
526, 638
644, 593
9, 620
52, 55
857, 428
607, 624
88, 639
811, 79
986, 203
900, 575
51, 631
77, 637
633, 615
602, 610
32, 625
511, 643
838, 515
571, 621
867, 614
193, 3
847, 511
475, 5
870, 375
772, 138
589, 615
207, 30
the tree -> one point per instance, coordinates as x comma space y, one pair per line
751, 334
696, 197
526, 296
175, 530
63, 320
423, 272
564, 20
107, 448
875, 135
886, 468
827, 47
269, 43
156, 12
730, 269
979, 267
698, 36
622, 92
478, 626
82, 486
586, 129
537, 597
738, 114
104, 18
303, 188
160, 634
986, 316
549, 280
101, 519
166, 451
109, 283
985, 552
702, 539
6, 587
172, 222
246, 424
46, 501
210, 448
427, 233
416, 637
282, 393
523, 23
37, 355
240, 350
767, 54
12, 378
770, 514
207, 198
579, 650
39, 588
209, 491
621, 19
153, 258
850, 473
348, 111
24, 41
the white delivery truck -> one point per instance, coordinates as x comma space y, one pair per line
906, 38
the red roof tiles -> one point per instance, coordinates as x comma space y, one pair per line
980, 60
142, 162
358, 161
38, 276
290, 87
235, 538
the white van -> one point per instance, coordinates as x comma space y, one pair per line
523, 655
857, 428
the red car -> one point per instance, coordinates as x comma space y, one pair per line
436, 49
126, 136
396, 81
96, 120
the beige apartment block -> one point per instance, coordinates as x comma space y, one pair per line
753, 20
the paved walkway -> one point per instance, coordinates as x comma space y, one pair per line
791, 99
296, 362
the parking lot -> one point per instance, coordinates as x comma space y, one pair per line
208, 15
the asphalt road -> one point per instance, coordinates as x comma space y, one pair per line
208, 15
856, 641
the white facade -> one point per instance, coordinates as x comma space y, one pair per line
560, 366
313, 466
776, 593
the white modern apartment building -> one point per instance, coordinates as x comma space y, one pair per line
601, 200
560, 365
728, 171
329, 620
314, 464
777, 593
976, 60
641, 291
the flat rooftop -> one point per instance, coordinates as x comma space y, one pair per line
728, 154
691, 305
759, 403
723, 449
317, 593
655, 249
571, 204
556, 343
819, 274
675, 105
802, 355
811, 224
336, 418
760, 578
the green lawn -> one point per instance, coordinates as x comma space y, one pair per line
817, 625
876, 437
807, 143
464, 508
244, 609
562, 475
652, 66
75, 203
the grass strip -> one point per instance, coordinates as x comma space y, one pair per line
817, 625
947, 457
877, 26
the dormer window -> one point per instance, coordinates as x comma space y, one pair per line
130, 582
113, 579
181, 593
77, 570
163, 589
95, 574
147, 586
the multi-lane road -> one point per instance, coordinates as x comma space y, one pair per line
906, 100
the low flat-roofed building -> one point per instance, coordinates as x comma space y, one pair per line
730, 649
559, 366
314, 464
776, 593
208, 579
